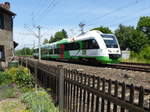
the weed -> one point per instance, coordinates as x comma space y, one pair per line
39, 101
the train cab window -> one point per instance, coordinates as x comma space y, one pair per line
90, 44
110, 41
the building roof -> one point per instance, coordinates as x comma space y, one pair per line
7, 11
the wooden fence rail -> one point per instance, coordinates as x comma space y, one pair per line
79, 92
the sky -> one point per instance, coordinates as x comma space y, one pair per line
54, 15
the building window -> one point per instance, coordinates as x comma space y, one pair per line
2, 53
1, 21
11, 23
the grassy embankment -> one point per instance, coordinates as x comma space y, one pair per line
141, 57
17, 93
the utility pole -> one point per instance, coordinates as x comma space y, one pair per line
37, 36
81, 25
39, 41
24, 50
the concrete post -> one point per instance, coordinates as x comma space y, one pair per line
35, 75
26, 63
61, 88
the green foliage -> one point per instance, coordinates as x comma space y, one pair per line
46, 41
24, 80
143, 56
103, 29
39, 101
5, 78
144, 24
145, 53
21, 76
131, 38
58, 36
12, 72
24, 52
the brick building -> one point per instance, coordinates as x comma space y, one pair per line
7, 44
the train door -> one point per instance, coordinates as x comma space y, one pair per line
84, 47
62, 51
2, 53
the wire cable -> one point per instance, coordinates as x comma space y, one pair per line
114, 11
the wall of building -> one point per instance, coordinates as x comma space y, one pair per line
6, 41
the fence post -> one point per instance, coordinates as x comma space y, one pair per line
35, 75
26, 63
21, 61
61, 88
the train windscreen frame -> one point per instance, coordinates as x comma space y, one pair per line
110, 41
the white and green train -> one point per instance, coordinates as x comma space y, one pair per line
92, 46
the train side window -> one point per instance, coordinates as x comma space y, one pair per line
56, 51
50, 51
90, 44
72, 46
85, 44
93, 44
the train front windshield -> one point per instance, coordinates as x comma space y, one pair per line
110, 41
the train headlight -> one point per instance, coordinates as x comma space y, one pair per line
117, 50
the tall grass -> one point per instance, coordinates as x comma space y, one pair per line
141, 57
39, 101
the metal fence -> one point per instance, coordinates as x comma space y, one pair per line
75, 91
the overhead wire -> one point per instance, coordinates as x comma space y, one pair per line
130, 16
38, 7
111, 12
49, 10
51, 3
128, 19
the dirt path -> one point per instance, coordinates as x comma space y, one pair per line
11, 105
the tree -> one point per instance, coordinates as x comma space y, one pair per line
144, 25
24, 51
103, 29
64, 33
131, 38
46, 41
123, 33
59, 36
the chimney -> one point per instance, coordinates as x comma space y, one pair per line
5, 5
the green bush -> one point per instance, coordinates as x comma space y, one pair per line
145, 53
21, 76
39, 101
5, 78
143, 56
23, 79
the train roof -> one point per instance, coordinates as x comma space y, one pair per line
87, 35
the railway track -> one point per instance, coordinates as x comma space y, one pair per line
131, 63
141, 67
131, 66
